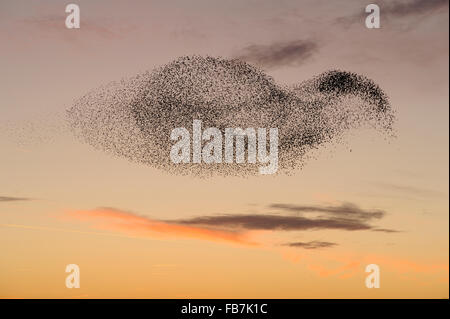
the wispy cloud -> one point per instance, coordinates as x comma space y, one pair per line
409, 190
345, 264
401, 9
291, 53
55, 23
415, 7
238, 228
348, 210
130, 223
386, 230
98, 28
311, 244
13, 199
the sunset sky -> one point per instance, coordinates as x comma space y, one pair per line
138, 232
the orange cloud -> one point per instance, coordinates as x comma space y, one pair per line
347, 264
126, 222
403, 266
341, 263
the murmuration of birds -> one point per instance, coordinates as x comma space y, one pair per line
138, 118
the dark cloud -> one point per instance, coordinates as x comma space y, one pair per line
399, 9
13, 199
386, 230
311, 244
346, 210
347, 216
277, 222
279, 54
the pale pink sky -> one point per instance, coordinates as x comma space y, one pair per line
46, 66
